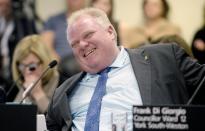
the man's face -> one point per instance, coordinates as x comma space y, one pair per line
94, 46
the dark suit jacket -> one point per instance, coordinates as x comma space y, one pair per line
165, 74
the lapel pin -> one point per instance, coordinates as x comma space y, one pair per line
146, 57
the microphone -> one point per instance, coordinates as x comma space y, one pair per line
28, 89
196, 91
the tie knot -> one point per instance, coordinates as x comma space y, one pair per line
104, 71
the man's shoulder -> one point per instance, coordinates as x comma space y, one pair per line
53, 22
56, 18
169, 50
155, 47
159, 46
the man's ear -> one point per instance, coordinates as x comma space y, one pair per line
111, 31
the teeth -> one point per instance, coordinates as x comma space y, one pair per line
89, 52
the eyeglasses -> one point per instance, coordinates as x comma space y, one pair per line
31, 66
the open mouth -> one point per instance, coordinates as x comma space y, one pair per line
89, 52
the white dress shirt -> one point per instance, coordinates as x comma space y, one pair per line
122, 92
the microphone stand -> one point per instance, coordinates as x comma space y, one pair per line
196, 91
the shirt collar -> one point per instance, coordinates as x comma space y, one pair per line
121, 59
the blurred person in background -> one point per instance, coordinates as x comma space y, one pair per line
156, 24
31, 58
175, 39
14, 25
54, 35
198, 43
108, 7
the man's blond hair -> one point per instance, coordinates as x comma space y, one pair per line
99, 15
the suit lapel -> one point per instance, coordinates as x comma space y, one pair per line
64, 110
63, 100
140, 62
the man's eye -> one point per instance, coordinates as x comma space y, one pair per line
89, 35
74, 45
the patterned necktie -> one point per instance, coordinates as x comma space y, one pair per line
93, 114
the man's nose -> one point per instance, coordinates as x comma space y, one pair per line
83, 43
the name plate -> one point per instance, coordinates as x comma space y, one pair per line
169, 118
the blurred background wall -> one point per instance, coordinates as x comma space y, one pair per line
185, 13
